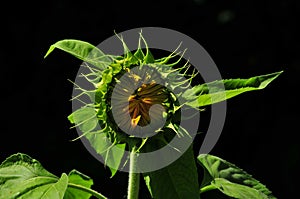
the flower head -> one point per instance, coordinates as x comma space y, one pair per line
134, 98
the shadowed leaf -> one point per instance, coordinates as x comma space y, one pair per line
179, 180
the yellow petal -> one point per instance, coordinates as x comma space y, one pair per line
135, 121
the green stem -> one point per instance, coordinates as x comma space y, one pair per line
207, 188
134, 178
87, 190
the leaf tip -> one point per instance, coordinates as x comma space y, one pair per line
49, 51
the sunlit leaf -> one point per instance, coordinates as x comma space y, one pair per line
217, 91
217, 169
82, 50
78, 179
24, 177
237, 190
85, 118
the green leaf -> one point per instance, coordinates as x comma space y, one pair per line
217, 168
111, 153
24, 177
77, 178
236, 190
83, 51
179, 180
85, 118
217, 91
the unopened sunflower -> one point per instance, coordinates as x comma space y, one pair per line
136, 101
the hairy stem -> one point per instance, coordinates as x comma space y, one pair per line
134, 178
87, 190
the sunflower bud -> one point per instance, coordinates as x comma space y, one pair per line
136, 98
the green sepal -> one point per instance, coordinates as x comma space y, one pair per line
111, 153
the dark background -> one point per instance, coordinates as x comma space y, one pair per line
245, 38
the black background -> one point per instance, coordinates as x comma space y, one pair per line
245, 38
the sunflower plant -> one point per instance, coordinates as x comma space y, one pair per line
134, 104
